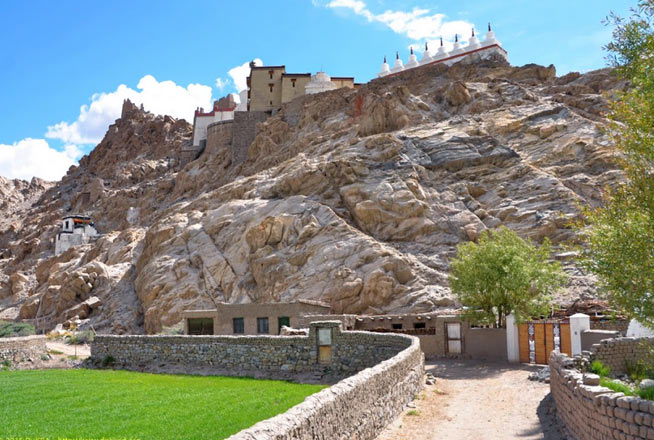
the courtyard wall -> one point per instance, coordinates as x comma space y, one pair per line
383, 372
616, 352
22, 348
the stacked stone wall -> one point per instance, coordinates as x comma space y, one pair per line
22, 348
617, 352
358, 407
219, 136
245, 130
385, 372
593, 412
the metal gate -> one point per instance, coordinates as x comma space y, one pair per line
539, 338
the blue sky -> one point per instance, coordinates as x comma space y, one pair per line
56, 57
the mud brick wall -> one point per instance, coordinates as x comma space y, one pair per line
594, 412
22, 348
615, 353
245, 130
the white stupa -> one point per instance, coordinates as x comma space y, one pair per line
441, 53
385, 69
457, 49
426, 55
320, 82
398, 66
413, 60
490, 37
474, 42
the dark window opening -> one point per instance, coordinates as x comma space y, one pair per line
397, 326
262, 326
200, 326
270, 72
283, 321
293, 82
239, 326
270, 102
271, 87
419, 325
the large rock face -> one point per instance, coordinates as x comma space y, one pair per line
354, 197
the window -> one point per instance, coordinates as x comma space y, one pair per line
239, 326
397, 326
200, 326
418, 325
262, 326
293, 82
283, 321
270, 72
271, 87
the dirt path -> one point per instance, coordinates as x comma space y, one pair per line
82, 351
474, 400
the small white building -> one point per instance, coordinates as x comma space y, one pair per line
320, 82
75, 230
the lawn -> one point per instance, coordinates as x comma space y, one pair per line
121, 404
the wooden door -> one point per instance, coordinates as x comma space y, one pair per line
454, 337
566, 344
523, 342
539, 340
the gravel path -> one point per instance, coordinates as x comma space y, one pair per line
474, 400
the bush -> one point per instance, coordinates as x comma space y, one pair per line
618, 387
598, 368
637, 371
108, 360
646, 393
14, 329
78, 338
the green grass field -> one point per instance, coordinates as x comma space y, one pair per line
118, 404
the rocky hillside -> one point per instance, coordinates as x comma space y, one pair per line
354, 197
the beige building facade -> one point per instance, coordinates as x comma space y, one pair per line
250, 319
270, 86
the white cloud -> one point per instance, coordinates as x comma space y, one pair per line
222, 83
418, 24
165, 98
34, 157
240, 73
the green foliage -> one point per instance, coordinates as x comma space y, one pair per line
122, 404
620, 240
618, 387
108, 360
6, 364
638, 370
503, 274
598, 368
413, 412
646, 393
14, 329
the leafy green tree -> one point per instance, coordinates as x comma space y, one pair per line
620, 240
503, 274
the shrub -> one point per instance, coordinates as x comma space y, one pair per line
55, 352
78, 338
413, 412
108, 360
618, 387
646, 393
6, 364
14, 329
598, 368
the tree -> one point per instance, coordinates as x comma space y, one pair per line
620, 237
503, 274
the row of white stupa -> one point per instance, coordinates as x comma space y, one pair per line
457, 52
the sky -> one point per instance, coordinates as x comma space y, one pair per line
66, 66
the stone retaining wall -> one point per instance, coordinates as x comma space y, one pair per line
22, 348
358, 407
245, 130
615, 353
385, 372
592, 412
219, 136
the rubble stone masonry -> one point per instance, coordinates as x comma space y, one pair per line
385, 372
22, 348
592, 412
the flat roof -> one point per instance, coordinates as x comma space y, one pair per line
83, 217
269, 67
343, 77
296, 74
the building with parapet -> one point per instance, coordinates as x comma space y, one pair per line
270, 86
75, 230
223, 110
490, 46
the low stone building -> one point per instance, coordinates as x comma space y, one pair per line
250, 319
